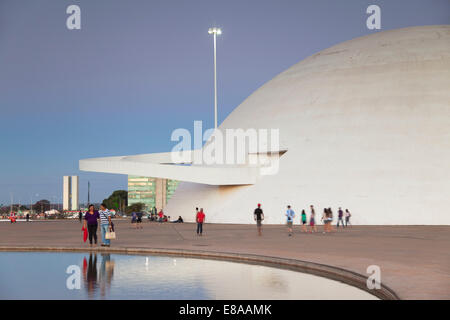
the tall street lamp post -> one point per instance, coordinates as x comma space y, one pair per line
215, 31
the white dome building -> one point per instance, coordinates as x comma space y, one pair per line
365, 125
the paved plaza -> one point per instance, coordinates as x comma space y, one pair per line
414, 260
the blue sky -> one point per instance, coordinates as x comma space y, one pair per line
139, 69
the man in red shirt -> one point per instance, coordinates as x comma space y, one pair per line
200, 218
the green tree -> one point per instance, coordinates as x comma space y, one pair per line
135, 207
41, 205
21, 208
118, 200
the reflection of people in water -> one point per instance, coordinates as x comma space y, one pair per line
90, 275
106, 273
92, 283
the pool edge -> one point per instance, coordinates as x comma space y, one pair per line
330, 272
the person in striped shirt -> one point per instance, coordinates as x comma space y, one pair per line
105, 224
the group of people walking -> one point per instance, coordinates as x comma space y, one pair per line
136, 220
327, 218
103, 215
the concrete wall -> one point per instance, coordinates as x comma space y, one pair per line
74, 196
160, 195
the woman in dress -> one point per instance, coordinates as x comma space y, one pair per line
312, 221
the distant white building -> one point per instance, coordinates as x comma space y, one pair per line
52, 212
70, 193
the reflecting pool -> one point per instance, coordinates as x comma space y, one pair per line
47, 275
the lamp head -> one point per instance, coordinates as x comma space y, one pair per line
215, 30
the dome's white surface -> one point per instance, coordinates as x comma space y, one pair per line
367, 127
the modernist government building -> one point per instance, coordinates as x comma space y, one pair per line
363, 125
151, 192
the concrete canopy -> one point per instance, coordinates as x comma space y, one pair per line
367, 127
161, 165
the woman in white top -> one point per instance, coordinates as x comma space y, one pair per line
347, 217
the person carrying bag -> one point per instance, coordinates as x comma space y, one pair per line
111, 234
105, 221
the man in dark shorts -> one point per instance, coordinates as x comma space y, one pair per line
139, 220
290, 214
258, 215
